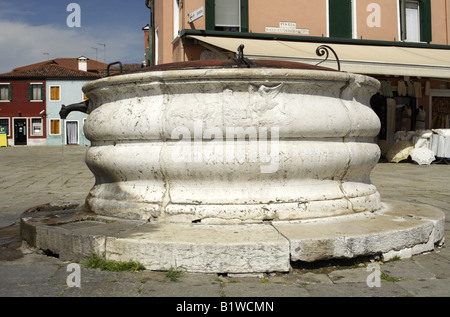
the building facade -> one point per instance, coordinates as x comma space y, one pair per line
405, 44
31, 98
70, 130
22, 110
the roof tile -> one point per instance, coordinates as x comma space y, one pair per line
43, 70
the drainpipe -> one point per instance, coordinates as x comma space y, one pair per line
151, 51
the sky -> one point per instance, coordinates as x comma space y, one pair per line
33, 31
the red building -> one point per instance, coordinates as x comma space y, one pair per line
22, 109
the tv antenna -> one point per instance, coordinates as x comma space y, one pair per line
104, 51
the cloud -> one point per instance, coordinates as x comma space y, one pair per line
23, 44
14, 9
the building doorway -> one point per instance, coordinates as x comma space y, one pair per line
440, 113
20, 131
72, 132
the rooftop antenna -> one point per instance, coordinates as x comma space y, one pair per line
48, 55
104, 51
96, 52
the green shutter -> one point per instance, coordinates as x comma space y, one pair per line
425, 21
210, 17
9, 92
402, 20
244, 16
42, 92
340, 15
30, 92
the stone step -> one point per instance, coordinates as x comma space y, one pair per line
398, 229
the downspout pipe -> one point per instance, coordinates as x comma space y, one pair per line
151, 5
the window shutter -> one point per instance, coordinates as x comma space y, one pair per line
244, 16
210, 14
402, 20
425, 21
340, 15
54, 126
30, 92
55, 93
227, 13
9, 92
211, 19
42, 92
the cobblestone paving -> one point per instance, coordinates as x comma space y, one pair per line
30, 176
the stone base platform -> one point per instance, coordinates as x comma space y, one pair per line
398, 229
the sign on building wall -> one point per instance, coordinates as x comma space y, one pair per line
197, 14
287, 28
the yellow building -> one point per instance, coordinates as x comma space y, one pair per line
402, 43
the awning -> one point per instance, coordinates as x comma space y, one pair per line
361, 59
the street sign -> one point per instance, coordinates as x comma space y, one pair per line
196, 14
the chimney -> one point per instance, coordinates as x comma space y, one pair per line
146, 30
82, 63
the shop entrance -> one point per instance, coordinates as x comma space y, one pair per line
20, 132
440, 113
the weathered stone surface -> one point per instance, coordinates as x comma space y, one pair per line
398, 229
232, 145
200, 248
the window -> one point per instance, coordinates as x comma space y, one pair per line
36, 127
55, 127
227, 15
340, 19
55, 93
4, 125
5, 92
415, 18
36, 92
176, 18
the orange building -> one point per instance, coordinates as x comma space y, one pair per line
403, 43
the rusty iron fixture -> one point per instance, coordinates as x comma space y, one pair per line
323, 50
81, 107
109, 67
241, 60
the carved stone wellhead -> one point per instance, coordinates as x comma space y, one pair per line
236, 166
211, 142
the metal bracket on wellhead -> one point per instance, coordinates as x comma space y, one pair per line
241, 60
115, 63
324, 50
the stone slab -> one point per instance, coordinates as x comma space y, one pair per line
203, 248
356, 290
251, 290
398, 229
426, 288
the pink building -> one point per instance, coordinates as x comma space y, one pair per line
403, 43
